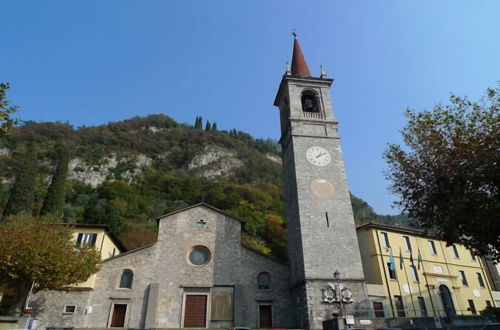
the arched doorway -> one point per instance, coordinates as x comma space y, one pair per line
448, 306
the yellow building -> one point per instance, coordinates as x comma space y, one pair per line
413, 274
102, 239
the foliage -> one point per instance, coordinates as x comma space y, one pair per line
43, 252
208, 126
449, 177
55, 198
6, 110
22, 197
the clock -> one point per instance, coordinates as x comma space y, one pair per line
318, 156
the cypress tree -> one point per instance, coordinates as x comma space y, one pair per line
208, 126
199, 123
54, 200
22, 194
214, 126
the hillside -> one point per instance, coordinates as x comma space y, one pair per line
127, 173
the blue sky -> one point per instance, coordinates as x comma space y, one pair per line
90, 62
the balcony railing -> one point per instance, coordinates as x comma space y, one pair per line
312, 115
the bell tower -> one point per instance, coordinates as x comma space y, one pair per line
321, 231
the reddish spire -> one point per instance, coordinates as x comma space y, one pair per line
299, 64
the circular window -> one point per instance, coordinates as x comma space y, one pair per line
199, 256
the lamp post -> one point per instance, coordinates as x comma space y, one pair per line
338, 295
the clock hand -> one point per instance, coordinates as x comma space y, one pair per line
320, 155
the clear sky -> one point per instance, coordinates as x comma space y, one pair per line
90, 62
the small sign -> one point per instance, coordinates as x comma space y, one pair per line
365, 322
32, 323
349, 319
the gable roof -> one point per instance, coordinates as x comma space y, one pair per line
198, 205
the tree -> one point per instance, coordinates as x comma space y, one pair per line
22, 196
214, 127
208, 126
448, 175
6, 110
42, 252
198, 123
54, 200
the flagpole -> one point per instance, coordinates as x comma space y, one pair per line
427, 285
418, 279
409, 286
399, 285
385, 274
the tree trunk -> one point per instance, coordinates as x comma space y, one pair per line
22, 292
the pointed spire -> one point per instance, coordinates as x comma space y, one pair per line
299, 64
322, 72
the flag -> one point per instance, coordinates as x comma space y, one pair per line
411, 260
392, 263
401, 264
419, 259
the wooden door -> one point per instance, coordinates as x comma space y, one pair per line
118, 317
265, 316
195, 311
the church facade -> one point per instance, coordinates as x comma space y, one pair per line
198, 274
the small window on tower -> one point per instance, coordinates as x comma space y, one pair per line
309, 102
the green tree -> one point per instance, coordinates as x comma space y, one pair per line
22, 198
54, 200
214, 127
41, 251
208, 126
448, 175
6, 110
199, 123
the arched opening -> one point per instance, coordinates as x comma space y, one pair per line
309, 102
263, 281
448, 306
126, 279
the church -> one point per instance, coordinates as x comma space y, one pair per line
198, 273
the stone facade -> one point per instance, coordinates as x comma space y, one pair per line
163, 276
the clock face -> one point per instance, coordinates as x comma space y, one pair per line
318, 156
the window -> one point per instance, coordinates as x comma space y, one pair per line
385, 240
407, 242
472, 308
455, 251
463, 278
392, 272
398, 301
488, 304
414, 273
433, 247
309, 102
378, 307
263, 281
126, 279
480, 280
86, 239
69, 309
472, 255
421, 304
199, 256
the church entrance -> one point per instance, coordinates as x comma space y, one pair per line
195, 311
265, 316
118, 317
